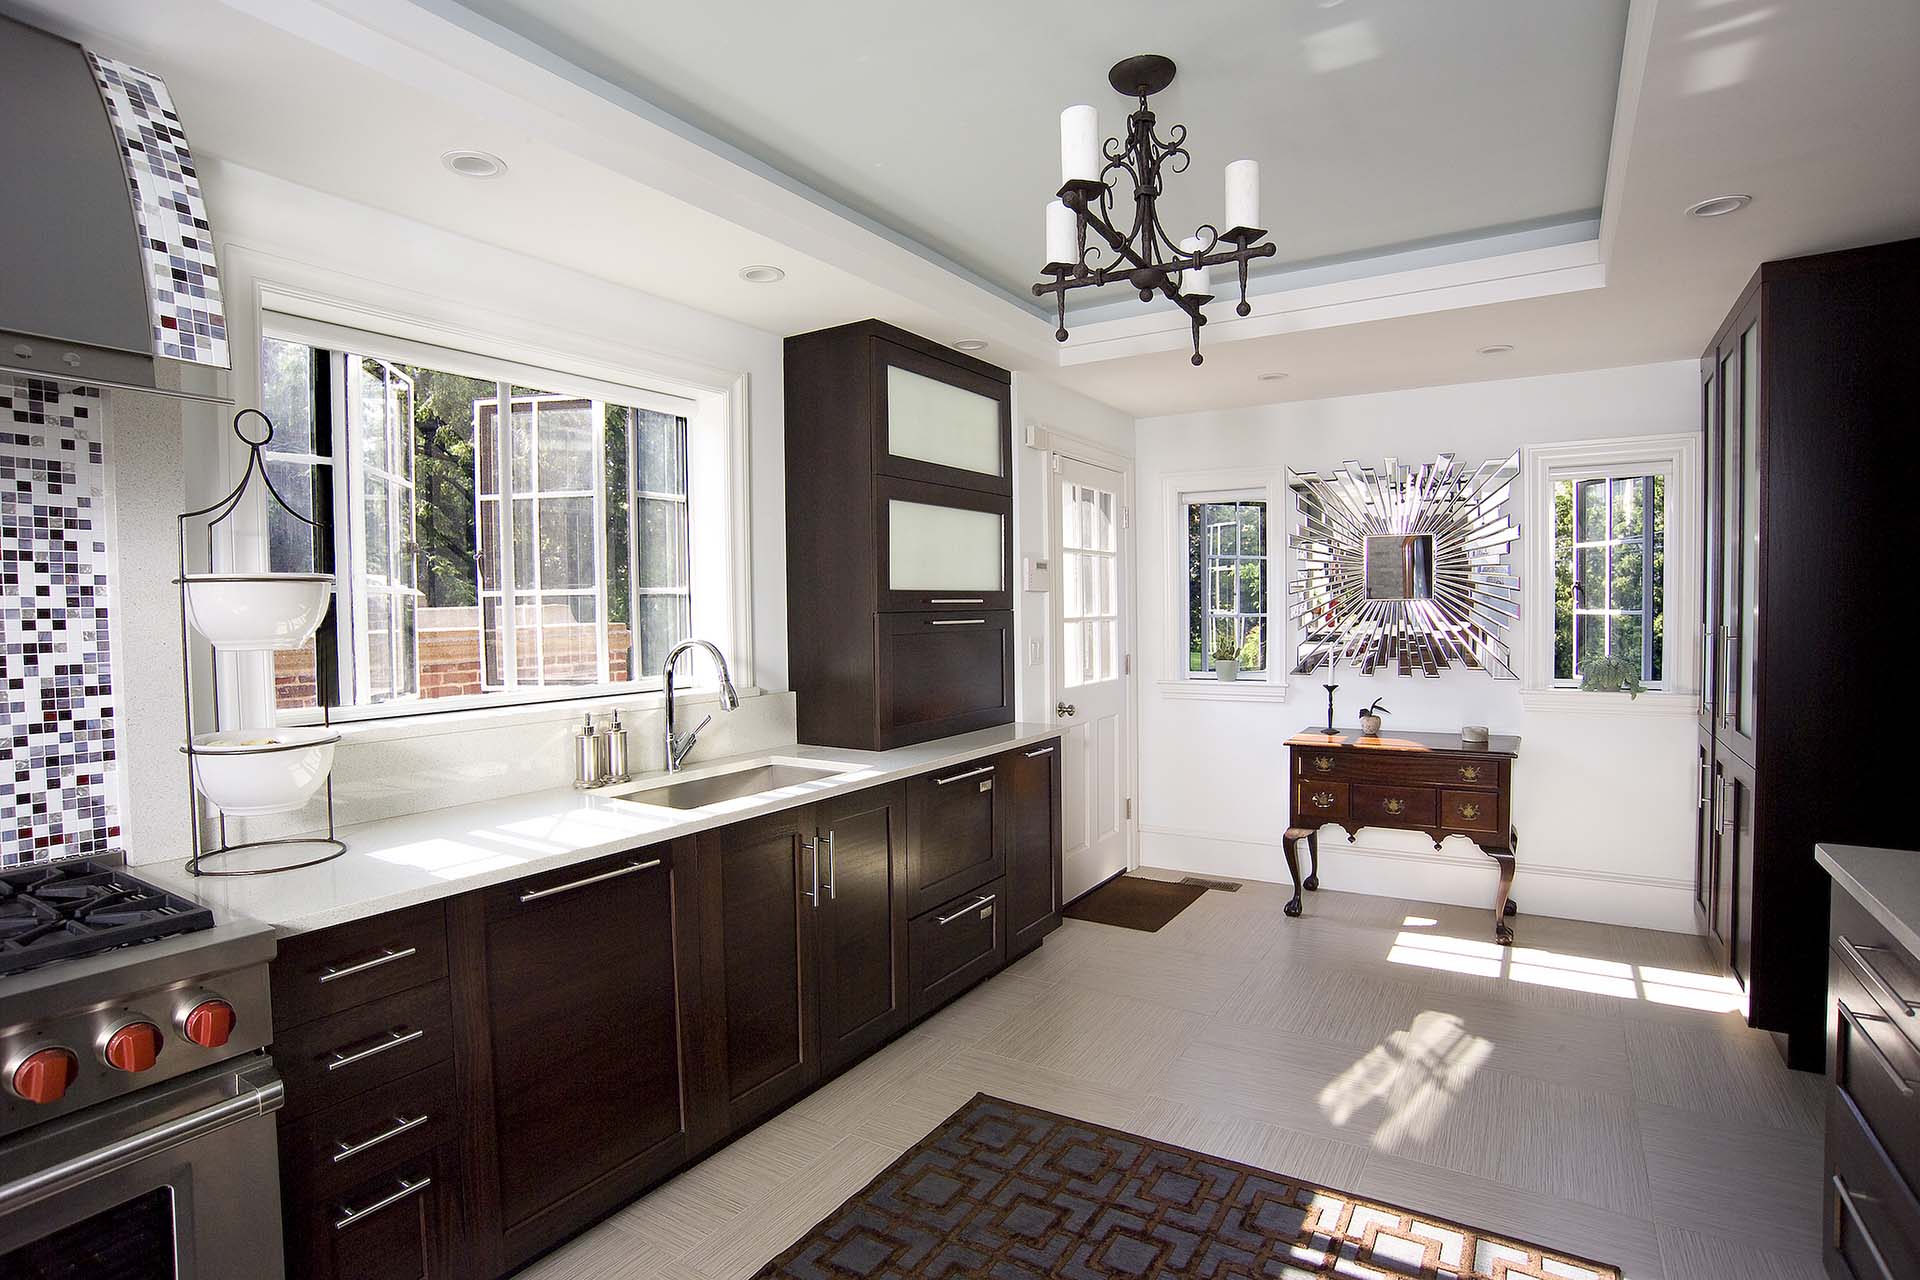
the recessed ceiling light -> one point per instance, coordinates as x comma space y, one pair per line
1718, 206
474, 164
969, 344
762, 275
1496, 349
1271, 377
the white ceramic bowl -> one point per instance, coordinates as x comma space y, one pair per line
257, 611
236, 770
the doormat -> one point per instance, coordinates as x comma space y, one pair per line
1134, 902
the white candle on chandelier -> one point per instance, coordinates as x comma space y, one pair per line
1243, 194
1079, 145
1063, 234
1194, 279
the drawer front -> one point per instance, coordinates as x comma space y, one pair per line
1317, 800
942, 548
333, 1059
939, 674
389, 1226
1875, 1065
1399, 767
1372, 804
955, 945
952, 839
1470, 810
1872, 1224
324, 972
1889, 973
331, 1150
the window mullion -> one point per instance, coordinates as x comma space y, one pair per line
503, 468
597, 432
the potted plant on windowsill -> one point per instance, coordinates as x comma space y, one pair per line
1611, 673
1226, 660
1370, 718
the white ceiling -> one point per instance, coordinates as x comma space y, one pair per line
1808, 108
1376, 122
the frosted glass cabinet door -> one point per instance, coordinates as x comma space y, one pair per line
941, 423
942, 548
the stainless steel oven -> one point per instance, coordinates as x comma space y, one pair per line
164, 1184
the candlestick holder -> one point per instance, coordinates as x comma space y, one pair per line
1330, 731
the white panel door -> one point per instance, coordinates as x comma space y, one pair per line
1092, 622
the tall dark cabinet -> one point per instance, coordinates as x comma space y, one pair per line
899, 538
1807, 401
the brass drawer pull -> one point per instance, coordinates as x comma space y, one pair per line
535, 895
1843, 1200
1396, 805
348, 1150
1469, 811
1323, 763
408, 1187
1322, 799
331, 973
984, 900
394, 1039
962, 777
1469, 773
1875, 979
1900, 1082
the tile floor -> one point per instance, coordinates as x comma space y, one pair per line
1587, 1089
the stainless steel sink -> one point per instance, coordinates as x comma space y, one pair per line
695, 793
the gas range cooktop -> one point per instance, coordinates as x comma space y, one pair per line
63, 910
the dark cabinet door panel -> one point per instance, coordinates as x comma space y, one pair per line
953, 843
329, 970
1029, 800
956, 945
942, 673
389, 1226
585, 1034
338, 1057
862, 936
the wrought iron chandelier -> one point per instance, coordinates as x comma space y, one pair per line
1145, 256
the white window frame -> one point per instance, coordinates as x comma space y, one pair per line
719, 534
1676, 459
1179, 490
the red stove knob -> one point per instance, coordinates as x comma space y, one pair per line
133, 1047
45, 1076
208, 1023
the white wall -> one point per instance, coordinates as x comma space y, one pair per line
1604, 800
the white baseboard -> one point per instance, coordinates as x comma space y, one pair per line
1457, 874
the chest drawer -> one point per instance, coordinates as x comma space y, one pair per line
332, 1059
1469, 811
1398, 768
333, 1149
1375, 804
1872, 1224
955, 945
952, 844
1319, 800
324, 972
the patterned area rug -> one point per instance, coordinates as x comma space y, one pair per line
1007, 1192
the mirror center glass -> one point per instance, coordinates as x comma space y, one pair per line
1399, 566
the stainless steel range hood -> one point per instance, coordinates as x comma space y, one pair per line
106, 255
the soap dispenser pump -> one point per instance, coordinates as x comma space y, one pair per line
589, 756
616, 739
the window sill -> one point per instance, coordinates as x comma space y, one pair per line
1224, 691
430, 724
1580, 701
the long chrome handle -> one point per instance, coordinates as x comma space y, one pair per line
348, 1150
1868, 971
408, 1187
571, 885
833, 894
985, 899
332, 974
1900, 1082
1728, 638
813, 849
957, 600
342, 1058
1709, 664
956, 622
103, 1160
1726, 807
1844, 1199
962, 777
1705, 773
1044, 751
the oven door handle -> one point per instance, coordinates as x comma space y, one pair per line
256, 1101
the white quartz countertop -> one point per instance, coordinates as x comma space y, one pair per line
399, 862
1884, 881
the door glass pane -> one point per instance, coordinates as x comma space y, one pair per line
933, 548
565, 446
566, 542
1748, 619
936, 422
131, 1241
569, 643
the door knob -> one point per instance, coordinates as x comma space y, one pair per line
1063, 708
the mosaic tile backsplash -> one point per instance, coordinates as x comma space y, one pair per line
56, 774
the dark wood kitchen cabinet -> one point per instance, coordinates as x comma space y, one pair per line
1030, 811
584, 1043
861, 935
954, 839
899, 537
1807, 423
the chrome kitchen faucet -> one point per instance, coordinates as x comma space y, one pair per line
678, 747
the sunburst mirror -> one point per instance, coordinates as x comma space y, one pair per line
1405, 568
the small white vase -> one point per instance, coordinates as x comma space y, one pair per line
1226, 668
1370, 726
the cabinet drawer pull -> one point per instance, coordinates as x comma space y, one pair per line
962, 777
1043, 751
394, 1039
535, 895
1880, 985
407, 1187
957, 600
956, 622
1469, 773
348, 1150
1395, 805
985, 900
1844, 1200
1900, 1082
1468, 812
1322, 799
333, 973
1323, 763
